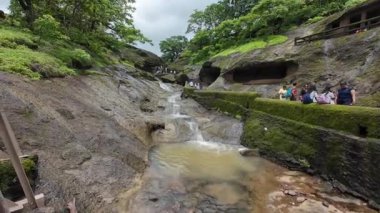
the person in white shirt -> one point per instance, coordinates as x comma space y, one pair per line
282, 93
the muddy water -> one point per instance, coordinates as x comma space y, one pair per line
203, 176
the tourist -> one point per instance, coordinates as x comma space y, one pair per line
191, 84
327, 96
288, 94
308, 96
282, 93
313, 93
294, 91
304, 90
346, 95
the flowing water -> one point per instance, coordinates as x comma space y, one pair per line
203, 176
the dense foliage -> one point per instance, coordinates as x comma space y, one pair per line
216, 29
95, 24
57, 38
172, 47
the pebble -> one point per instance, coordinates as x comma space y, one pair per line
291, 193
325, 203
301, 199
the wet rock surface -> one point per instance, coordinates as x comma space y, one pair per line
89, 133
215, 174
93, 135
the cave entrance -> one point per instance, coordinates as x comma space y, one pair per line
208, 74
263, 73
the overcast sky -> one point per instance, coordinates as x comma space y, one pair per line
158, 19
4, 5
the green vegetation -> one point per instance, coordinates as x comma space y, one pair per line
41, 39
224, 27
360, 121
348, 119
255, 44
8, 174
172, 47
32, 64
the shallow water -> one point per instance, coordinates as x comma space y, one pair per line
216, 178
202, 176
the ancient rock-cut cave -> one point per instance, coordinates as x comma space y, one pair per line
262, 73
208, 74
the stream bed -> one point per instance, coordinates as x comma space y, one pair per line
196, 175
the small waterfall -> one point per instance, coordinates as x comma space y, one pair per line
174, 111
174, 108
165, 87
195, 130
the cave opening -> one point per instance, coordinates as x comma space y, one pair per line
263, 73
208, 74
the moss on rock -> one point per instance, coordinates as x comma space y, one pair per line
359, 121
347, 159
308, 136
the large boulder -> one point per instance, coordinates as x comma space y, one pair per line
141, 59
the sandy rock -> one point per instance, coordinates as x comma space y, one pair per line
301, 199
76, 153
249, 152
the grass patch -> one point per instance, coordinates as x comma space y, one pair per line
32, 64
12, 38
253, 45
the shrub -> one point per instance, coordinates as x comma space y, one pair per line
32, 64
353, 3
47, 27
12, 38
76, 58
314, 20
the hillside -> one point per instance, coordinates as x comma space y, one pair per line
25, 53
352, 58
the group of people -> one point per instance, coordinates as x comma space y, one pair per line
163, 70
194, 84
308, 94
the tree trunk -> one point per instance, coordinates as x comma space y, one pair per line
27, 7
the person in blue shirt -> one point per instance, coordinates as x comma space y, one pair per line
346, 95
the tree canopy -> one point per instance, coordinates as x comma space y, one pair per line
229, 23
88, 22
172, 47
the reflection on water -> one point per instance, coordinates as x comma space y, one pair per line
204, 160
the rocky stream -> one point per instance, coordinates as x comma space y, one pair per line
192, 172
119, 143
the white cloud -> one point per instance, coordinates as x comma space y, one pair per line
160, 19
4, 5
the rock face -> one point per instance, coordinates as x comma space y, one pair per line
89, 132
143, 59
352, 58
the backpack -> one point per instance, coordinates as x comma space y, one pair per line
306, 99
323, 99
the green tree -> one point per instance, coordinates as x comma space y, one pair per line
216, 13
47, 27
108, 22
172, 47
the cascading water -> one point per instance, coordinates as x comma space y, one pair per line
165, 87
200, 176
195, 131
